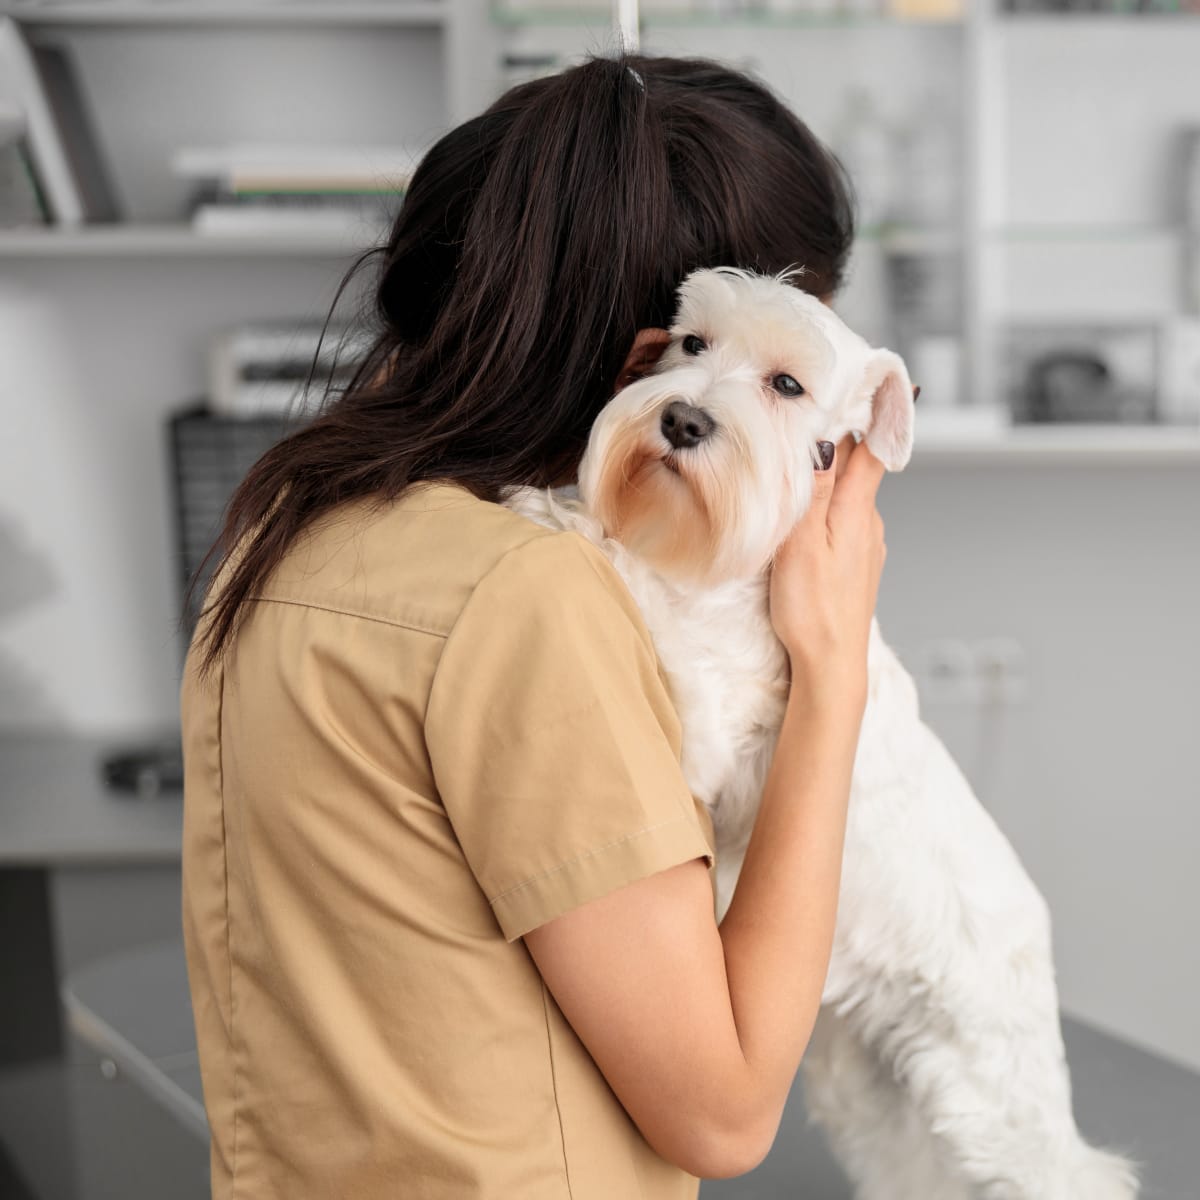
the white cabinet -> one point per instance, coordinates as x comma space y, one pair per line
1061, 196
1058, 209
104, 329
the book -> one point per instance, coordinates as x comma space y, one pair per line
21, 198
73, 119
349, 192
21, 85
271, 220
256, 167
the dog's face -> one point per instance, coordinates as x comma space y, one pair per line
702, 467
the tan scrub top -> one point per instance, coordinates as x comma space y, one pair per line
441, 726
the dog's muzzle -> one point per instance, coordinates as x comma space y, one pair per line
684, 425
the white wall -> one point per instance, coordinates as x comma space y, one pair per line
1094, 116
1095, 571
93, 356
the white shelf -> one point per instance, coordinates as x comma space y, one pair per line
1128, 445
1123, 19
590, 13
1116, 235
168, 240
230, 12
908, 239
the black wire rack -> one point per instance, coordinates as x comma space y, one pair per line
210, 455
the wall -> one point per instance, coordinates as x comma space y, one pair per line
95, 355
1095, 571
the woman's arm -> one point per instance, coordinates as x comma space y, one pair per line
699, 1029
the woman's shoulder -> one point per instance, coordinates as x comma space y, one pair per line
419, 559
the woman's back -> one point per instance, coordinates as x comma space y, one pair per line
386, 787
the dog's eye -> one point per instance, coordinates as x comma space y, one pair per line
693, 344
785, 385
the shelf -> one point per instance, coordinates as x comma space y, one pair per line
1127, 445
1089, 234
137, 239
180, 239
714, 17
101, 241
168, 240
904, 239
1123, 19
229, 12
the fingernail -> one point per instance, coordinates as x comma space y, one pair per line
825, 450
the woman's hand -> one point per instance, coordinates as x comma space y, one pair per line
825, 577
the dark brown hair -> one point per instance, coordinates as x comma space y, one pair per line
533, 242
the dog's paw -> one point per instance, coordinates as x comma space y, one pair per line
1105, 1176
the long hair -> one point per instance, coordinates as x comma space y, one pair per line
532, 244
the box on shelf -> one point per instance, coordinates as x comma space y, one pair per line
350, 191
22, 200
1084, 373
262, 370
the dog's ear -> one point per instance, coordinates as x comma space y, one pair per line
890, 435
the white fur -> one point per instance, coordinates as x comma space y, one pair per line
937, 1065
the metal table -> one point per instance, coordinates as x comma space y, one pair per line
134, 1008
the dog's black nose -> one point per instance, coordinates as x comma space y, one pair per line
685, 425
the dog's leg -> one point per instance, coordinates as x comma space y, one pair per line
942, 966
974, 1037
1003, 1114
907, 1123
881, 1140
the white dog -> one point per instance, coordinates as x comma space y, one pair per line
937, 1066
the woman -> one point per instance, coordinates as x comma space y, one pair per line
447, 908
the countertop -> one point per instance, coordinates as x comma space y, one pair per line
56, 810
134, 1008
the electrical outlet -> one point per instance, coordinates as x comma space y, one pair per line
947, 672
991, 671
1001, 671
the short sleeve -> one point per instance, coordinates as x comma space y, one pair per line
553, 740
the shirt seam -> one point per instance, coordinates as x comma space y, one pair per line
643, 628
562, 1133
539, 532
578, 858
377, 618
233, 1022
644, 633
536, 533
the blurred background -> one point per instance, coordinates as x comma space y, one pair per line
183, 184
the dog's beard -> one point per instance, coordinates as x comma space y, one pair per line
682, 511
646, 503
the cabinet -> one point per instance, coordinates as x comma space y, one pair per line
1033, 170
104, 330
1060, 178
1062, 194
